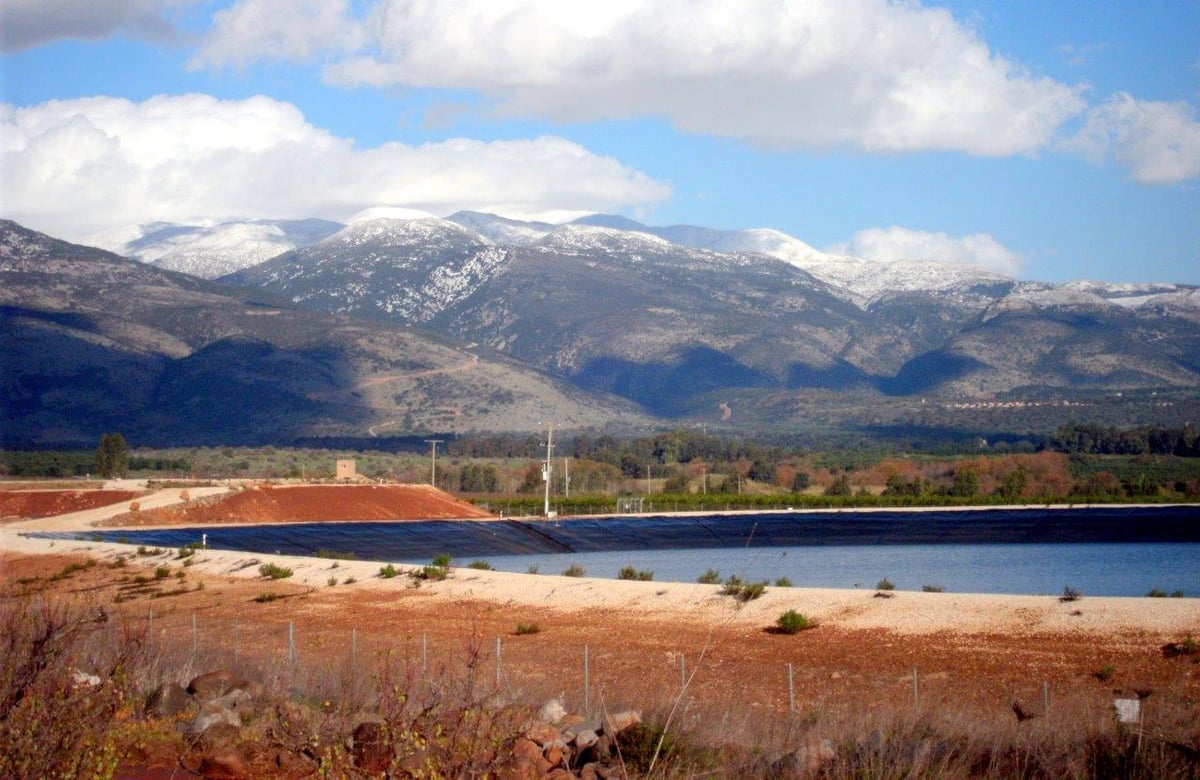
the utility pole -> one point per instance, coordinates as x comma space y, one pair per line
566, 477
548, 464
433, 461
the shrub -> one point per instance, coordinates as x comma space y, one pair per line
274, 572
265, 598
630, 573
1156, 593
1070, 594
783, 582
481, 565
350, 580
1105, 673
533, 569
574, 570
932, 588
524, 629
438, 570
792, 622
752, 590
387, 572
332, 581
134, 506
885, 584
186, 552
710, 577
335, 555
161, 573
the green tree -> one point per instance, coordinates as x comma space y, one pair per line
840, 487
112, 456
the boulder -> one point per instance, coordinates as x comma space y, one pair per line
211, 684
227, 764
619, 721
168, 700
210, 716
370, 746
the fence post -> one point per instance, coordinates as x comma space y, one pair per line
235, 642
499, 664
194, 632
353, 646
682, 672
916, 690
586, 682
425, 653
791, 692
291, 642
1045, 698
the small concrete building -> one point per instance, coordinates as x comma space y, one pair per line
345, 469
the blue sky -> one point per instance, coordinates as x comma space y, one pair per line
1049, 140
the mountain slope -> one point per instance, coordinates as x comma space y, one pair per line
92, 342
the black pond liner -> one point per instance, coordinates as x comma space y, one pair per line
422, 539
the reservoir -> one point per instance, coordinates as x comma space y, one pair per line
1111, 551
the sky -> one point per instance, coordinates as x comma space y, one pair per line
1051, 140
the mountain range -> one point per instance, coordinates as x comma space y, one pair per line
488, 324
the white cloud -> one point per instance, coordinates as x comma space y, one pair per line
870, 75
980, 250
77, 167
1158, 142
276, 29
26, 23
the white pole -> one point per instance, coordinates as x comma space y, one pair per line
791, 691
549, 464
433, 461
586, 681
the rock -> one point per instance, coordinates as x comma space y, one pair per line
619, 721
369, 747
558, 774
552, 711
806, 759
253, 688
210, 685
584, 739
590, 771
168, 700
556, 753
542, 733
81, 679
211, 716
228, 764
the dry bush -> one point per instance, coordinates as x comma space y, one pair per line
51, 723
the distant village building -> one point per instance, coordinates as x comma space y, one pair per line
345, 469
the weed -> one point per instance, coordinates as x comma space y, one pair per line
630, 573
162, 572
710, 577
334, 554
436, 571
387, 572
1105, 673
792, 622
1070, 594
574, 570
266, 598
885, 584
332, 581
533, 569
1156, 593
186, 552
481, 565
783, 582
274, 571
350, 581
118, 563
932, 588
524, 629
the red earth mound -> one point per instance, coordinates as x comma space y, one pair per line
48, 503
312, 503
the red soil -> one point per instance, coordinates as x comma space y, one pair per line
48, 503
312, 503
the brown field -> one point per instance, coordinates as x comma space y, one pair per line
308, 503
24, 504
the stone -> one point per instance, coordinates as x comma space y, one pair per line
168, 700
369, 746
589, 771
542, 733
555, 753
585, 739
552, 711
227, 764
210, 685
558, 774
619, 721
210, 716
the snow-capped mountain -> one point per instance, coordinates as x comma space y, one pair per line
209, 251
403, 269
